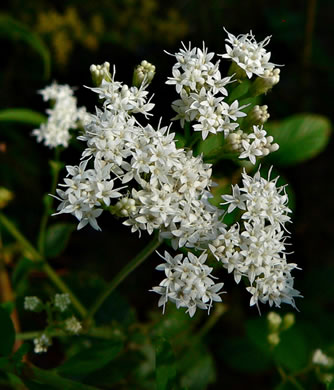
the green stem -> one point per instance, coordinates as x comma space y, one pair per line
99, 333
11, 228
131, 266
187, 134
55, 169
54, 381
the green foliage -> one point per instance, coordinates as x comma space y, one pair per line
15, 30
57, 237
300, 138
23, 266
22, 115
7, 333
165, 371
92, 358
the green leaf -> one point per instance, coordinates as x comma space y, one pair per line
257, 331
57, 237
22, 115
7, 333
15, 30
165, 371
293, 351
211, 144
91, 359
239, 90
300, 138
197, 368
245, 357
23, 266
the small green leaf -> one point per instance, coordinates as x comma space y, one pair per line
211, 145
165, 371
23, 266
57, 237
22, 115
292, 352
7, 333
15, 30
257, 331
300, 137
91, 359
238, 90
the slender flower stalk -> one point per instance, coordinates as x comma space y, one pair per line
56, 167
131, 266
37, 257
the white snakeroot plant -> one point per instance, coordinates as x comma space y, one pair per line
136, 171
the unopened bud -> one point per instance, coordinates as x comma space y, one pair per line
5, 197
143, 73
100, 72
264, 83
274, 321
273, 339
257, 116
288, 319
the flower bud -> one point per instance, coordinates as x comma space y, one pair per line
288, 320
274, 321
100, 72
257, 116
143, 73
263, 84
273, 339
5, 197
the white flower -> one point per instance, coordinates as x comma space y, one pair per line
62, 117
72, 325
42, 343
188, 283
31, 303
62, 301
249, 55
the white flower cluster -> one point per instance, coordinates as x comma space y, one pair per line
198, 81
42, 343
249, 55
32, 303
72, 325
62, 117
255, 248
188, 283
169, 185
62, 301
252, 145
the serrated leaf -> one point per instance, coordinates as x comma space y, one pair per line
15, 30
300, 138
91, 359
7, 333
57, 237
165, 371
22, 115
